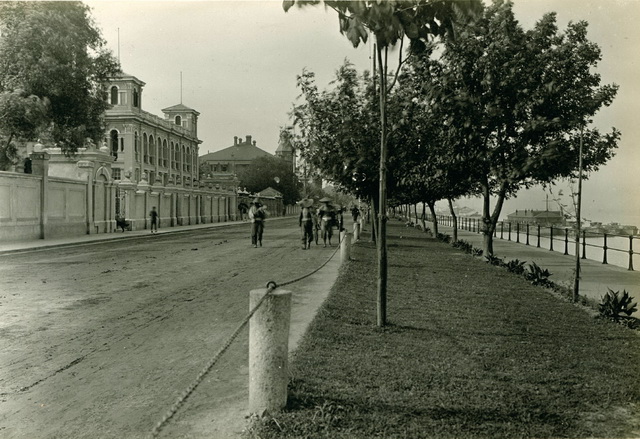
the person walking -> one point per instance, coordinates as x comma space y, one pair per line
154, 220
327, 217
306, 223
256, 217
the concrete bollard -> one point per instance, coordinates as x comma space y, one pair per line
356, 231
345, 246
268, 351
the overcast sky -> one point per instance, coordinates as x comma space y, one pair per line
239, 61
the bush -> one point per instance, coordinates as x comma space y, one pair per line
444, 238
538, 276
613, 305
516, 266
475, 251
494, 260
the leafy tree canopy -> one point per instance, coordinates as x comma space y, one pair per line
263, 173
53, 50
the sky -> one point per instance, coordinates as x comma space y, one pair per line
239, 61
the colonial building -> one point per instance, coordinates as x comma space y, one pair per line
164, 150
233, 158
537, 217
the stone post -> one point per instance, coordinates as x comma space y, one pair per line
356, 230
345, 246
268, 351
40, 166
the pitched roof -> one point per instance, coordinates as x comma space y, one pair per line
242, 152
179, 107
270, 192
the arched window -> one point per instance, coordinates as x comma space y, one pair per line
152, 150
114, 95
114, 143
135, 98
178, 120
145, 148
136, 146
183, 157
165, 153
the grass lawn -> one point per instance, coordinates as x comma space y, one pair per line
471, 351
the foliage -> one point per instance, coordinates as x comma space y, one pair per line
444, 237
613, 305
53, 50
21, 118
338, 131
494, 260
538, 276
262, 174
516, 266
514, 101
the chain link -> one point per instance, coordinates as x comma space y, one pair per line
271, 286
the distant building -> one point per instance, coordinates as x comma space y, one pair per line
162, 149
537, 217
286, 151
233, 158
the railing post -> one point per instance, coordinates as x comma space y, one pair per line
527, 234
518, 232
538, 244
509, 231
268, 351
551, 239
604, 247
501, 229
630, 253
566, 240
584, 244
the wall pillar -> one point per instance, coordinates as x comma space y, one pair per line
40, 166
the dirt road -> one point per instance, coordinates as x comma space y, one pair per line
98, 341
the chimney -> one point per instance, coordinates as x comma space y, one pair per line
248, 140
235, 140
254, 143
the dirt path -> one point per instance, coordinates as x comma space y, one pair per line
99, 341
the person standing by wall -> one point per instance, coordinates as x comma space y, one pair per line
256, 217
154, 220
306, 223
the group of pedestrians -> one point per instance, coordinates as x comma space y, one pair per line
316, 222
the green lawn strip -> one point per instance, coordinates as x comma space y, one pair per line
471, 351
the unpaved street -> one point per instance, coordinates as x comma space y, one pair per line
98, 341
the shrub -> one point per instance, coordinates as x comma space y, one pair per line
538, 276
444, 238
494, 260
516, 266
475, 251
613, 305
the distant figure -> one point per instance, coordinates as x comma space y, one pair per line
306, 222
122, 223
355, 213
327, 216
154, 219
257, 216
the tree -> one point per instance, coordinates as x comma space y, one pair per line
272, 172
21, 118
338, 131
53, 50
516, 101
390, 22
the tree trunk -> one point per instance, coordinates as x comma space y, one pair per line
489, 220
374, 222
423, 218
432, 209
382, 226
455, 220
